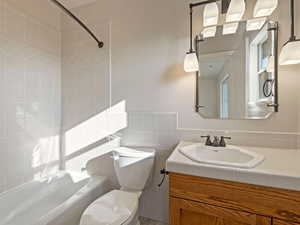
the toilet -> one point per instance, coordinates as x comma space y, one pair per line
133, 169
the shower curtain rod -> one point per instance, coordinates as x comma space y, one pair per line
100, 43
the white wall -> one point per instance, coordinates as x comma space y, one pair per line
235, 68
148, 44
149, 40
209, 97
29, 89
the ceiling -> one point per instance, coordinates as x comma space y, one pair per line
76, 3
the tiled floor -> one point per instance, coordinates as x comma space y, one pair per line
146, 221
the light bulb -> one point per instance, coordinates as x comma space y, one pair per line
230, 28
235, 11
264, 7
209, 32
211, 14
290, 53
255, 24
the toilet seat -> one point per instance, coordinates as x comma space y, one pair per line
114, 208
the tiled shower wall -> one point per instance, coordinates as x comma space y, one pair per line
29, 89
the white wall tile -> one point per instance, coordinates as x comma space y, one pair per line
29, 91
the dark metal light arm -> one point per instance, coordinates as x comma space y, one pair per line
292, 9
191, 29
192, 5
100, 43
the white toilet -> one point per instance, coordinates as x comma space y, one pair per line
120, 207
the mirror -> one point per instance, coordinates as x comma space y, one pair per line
238, 72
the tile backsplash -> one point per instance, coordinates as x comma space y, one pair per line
161, 130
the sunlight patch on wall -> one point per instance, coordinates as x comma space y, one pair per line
96, 128
45, 156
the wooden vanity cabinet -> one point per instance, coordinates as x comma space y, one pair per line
205, 201
186, 212
282, 222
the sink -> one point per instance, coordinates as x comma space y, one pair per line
230, 156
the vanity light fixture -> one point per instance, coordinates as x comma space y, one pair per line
290, 53
230, 28
235, 11
210, 14
191, 63
209, 32
264, 7
256, 24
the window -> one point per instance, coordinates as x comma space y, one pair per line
263, 55
260, 51
263, 59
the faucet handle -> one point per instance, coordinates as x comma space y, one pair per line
222, 141
208, 141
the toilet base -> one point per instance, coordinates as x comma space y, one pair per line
134, 221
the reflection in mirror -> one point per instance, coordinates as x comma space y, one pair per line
237, 73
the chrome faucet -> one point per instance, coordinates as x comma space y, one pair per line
217, 142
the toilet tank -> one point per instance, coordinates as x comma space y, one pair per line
133, 167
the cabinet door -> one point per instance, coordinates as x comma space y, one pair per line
186, 212
282, 222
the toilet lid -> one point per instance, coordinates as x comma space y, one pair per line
113, 208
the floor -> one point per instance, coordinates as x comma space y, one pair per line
146, 221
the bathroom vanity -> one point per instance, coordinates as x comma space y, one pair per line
206, 194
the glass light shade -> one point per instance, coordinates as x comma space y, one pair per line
235, 11
230, 28
209, 32
191, 63
211, 14
255, 24
264, 7
290, 53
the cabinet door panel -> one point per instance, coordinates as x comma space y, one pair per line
185, 212
282, 222
274, 202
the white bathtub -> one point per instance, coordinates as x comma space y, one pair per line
59, 200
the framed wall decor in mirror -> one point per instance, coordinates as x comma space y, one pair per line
238, 75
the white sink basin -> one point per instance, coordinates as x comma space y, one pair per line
230, 156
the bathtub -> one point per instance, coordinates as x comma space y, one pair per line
57, 200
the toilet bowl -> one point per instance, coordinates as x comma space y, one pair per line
120, 207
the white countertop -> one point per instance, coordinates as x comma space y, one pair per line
281, 168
